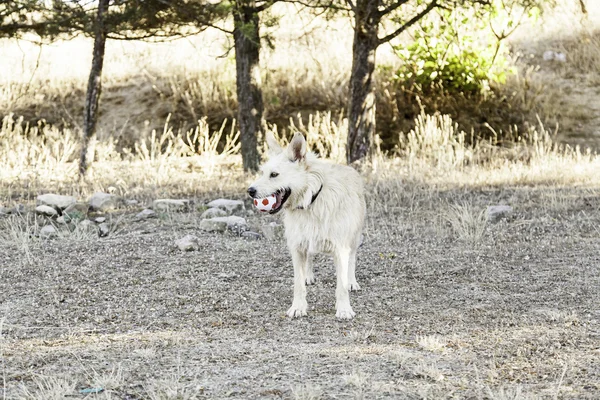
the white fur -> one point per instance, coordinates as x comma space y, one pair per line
332, 224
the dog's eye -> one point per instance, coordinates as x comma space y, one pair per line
273, 175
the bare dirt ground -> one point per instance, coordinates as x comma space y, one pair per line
512, 315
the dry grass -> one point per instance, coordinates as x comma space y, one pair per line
467, 222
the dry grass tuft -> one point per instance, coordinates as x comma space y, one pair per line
176, 386
432, 343
467, 222
47, 388
307, 392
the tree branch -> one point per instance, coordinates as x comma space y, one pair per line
265, 5
392, 7
324, 6
402, 28
352, 5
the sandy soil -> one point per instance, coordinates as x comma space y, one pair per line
513, 315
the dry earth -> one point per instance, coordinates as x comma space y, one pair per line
512, 315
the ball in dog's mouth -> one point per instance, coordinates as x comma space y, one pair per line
273, 202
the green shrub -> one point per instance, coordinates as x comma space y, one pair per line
459, 50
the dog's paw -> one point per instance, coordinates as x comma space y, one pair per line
297, 310
345, 313
354, 286
310, 280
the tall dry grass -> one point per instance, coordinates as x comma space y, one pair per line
196, 163
167, 115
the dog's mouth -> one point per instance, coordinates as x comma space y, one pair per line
281, 197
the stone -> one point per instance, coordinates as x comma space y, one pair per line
46, 210
145, 214
249, 235
18, 209
100, 220
213, 213
4, 210
103, 229
62, 220
48, 232
213, 225
272, 231
131, 203
187, 243
496, 213
77, 211
86, 224
105, 201
234, 223
170, 205
550, 55
56, 200
230, 206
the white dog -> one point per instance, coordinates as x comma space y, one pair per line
324, 212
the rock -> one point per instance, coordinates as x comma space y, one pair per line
170, 205
76, 211
249, 235
187, 243
561, 57
56, 200
221, 224
105, 201
213, 225
496, 213
46, 210
230, 206
18, 209
86, 224
62, 220
100, 220
4, 210
103, 229
131, 203
48, 232
550, 55
145, 214
272, 231
234, 223
213, 213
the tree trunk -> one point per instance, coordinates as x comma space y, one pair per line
249, 94
361, 113
94, 85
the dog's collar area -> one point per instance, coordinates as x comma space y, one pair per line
314, 197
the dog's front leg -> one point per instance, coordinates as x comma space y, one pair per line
309, 275
299, 305
342, 297
352, 270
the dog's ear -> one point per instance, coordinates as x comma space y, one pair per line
297, 148
274, 147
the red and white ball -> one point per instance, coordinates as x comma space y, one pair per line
265, 204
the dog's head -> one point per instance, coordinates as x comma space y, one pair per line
285, 174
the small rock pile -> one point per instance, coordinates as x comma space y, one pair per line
66, 210
221, 215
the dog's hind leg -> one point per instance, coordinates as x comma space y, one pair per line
299, 305
342, 297
309, 274
352, 269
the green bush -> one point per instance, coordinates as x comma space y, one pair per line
457, 50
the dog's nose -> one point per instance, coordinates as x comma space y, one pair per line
251, 191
